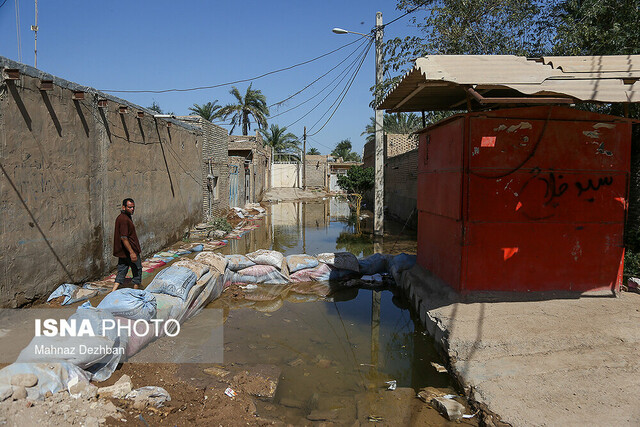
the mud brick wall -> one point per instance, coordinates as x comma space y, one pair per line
215, 162
65, 166
400, 143
316, 171
401, 187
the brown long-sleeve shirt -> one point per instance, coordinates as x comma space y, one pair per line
124, 228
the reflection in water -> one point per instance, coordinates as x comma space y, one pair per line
332, 344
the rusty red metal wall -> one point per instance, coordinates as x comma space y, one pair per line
524, 199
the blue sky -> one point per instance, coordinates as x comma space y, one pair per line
142, 45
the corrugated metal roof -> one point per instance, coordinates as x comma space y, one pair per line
441, 82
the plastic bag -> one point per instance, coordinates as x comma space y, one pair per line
72, 293
130, 303
340, 260
52, 376
302, 261
174, 281
238, 262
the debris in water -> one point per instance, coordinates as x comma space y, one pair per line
439, 367
392, 385
230, 392
375, 419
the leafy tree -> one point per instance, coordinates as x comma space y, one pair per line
206, 111
280, 140
155, 107
313, 151
402, 123
252, 105
343, 149
357, 180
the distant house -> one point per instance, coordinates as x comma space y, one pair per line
249, 169
336, 168
317, 171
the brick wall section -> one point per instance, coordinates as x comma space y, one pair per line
369, 154
215, 161
401, 187
316, 171
398, 143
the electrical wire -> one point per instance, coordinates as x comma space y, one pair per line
3, 3
343, 72
319, 78
363, 54
344, 93
424, 3
235, 81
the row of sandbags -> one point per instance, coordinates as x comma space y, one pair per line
272, 267
177, 292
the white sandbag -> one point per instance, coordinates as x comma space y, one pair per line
213, 260
52, 376
266, 274
198, 268
267, 257
238, 262
300, 262
340, 260
130, 303
174, 281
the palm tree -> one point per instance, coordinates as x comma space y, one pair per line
343, 149
253, 104
280, 140
206, 111
313, 151
402, 123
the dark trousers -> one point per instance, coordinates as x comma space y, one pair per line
123, 268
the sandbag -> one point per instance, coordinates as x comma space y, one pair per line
198, 268
139, 336
130, 303
266, 274
212, 291
340, 260
213, 260
402, 262
267, 257
52, 376
376, 263
100, 364
302, 261
72, 293
238, 262
174, 281
318, 273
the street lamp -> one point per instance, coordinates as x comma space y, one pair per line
378, 217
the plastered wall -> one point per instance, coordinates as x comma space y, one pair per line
67, 164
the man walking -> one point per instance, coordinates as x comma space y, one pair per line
126, 246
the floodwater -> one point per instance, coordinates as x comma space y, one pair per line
335, 347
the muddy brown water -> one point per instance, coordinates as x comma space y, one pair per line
334, 346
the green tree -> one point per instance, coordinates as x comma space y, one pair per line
155, 107
280, 140
402, 123
313, 151
207, 111
252, 105
343, 149
357, 180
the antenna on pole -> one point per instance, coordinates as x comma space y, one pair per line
34, 28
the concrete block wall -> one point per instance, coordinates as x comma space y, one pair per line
400, 143
317, 171
401, 187
215, 162
66, 165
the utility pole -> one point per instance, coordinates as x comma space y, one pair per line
34, 28
378, 217
304, 159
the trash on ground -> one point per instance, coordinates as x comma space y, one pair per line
441, 369
230, 392
391, 385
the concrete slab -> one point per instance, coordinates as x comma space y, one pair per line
556, 360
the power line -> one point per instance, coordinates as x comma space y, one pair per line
363, 54
319, 78
3, 3
235, 81
424, 3
345, 92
